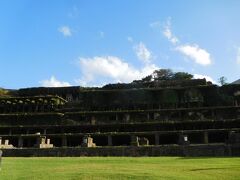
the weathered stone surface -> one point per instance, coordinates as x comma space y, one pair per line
183, 139
164, 117
43, 142
165, 150
6, 144
88, 142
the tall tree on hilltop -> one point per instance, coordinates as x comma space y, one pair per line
222, 80
162, 74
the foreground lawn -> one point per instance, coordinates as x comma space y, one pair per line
120, 168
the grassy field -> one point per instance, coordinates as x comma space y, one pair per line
120, 168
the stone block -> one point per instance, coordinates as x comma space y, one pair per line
88, 142
139, 141
41, 142
6, 144
183, 140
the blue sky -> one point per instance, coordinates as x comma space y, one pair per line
90, 43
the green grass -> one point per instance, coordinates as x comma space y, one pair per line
120, 168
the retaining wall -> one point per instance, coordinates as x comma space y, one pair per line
161, 150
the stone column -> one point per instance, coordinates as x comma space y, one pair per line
10, 131
64, 141
36, 108
127, 117
213, 114
156, 139
179, 115
155, 116
109, 140
134, 140
148, 116
236, 102
205, 137
93, 120
6, 142
20, 142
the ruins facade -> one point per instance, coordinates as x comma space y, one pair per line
150, 117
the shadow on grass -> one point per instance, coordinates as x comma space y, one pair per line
210, 157
206, 169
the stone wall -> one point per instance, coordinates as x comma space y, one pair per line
166, 150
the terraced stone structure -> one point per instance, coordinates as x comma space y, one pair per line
186, 118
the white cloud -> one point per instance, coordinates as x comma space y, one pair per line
53, 82
110, 69
130, 39
167, 32
197, 54
101, 34
74, 13
155, 24
65, 30
199, 76
194, 52
238, 55
143, 53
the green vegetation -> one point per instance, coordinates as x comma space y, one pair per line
120, 168
222, 80
161, 78
3, 92
165, 74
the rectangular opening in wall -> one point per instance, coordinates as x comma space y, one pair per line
195, 138
217, 137
4, 131
18, 131
29, 142
100, 140
73, 141
121, 140
56, 141
150, 138
168, 139
12, 140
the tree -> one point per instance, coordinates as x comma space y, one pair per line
182, 76
222, 80
147, 78
3, 92
162, 74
